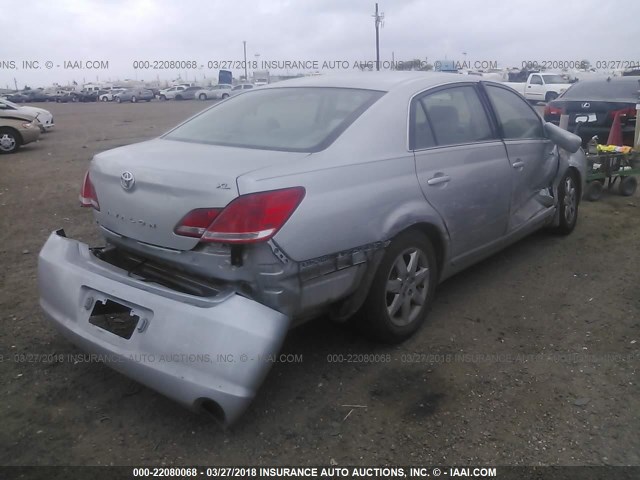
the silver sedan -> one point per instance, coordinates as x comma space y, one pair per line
333, 196
216, 92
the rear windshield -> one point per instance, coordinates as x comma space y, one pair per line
295, 119
615, 89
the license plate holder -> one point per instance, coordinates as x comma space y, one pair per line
586, 118
114, 317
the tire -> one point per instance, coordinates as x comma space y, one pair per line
550, 97
10, 140
402, 289
225, 95
162, 97
105, 99
74, 99
627, 186
202, 96
568, 202
134, 99
594, 191
118, 100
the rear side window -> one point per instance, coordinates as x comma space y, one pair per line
457, 116
515, 116
421, 133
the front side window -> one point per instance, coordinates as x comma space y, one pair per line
457, 116
515, 116
296, 119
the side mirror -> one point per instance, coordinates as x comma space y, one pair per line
562, 138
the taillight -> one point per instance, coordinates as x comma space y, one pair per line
248, 219
195, 223
624, 112
549, 110
88, 197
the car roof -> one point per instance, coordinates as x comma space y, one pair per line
612, 89
383, 81
623, 80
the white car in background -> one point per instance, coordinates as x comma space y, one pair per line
214, 93
110, 95
170, 93
44, 117
241, 88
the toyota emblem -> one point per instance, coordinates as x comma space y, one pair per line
127, 181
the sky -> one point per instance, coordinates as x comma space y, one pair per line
210, 34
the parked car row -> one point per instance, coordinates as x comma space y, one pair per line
119, 95
30, 96
216, 92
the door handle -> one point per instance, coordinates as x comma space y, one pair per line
518, 165
438, 180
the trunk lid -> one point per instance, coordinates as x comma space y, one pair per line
169, 179
596, 113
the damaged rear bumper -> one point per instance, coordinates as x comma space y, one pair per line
196, 350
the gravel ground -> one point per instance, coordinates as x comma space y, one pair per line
528, 358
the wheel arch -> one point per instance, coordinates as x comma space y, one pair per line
435, 236
579, 183
15, 131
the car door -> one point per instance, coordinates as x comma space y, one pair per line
535, 89
461, 165
533, 158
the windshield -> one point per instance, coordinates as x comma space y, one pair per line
554, 79
287, 119
11, 104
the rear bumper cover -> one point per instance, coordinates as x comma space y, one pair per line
185, 347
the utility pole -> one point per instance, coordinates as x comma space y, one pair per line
378, 20
244, 43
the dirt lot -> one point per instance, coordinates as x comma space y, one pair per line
527, 358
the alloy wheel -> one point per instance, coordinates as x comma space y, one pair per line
407, 286
7, 142
570, 199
